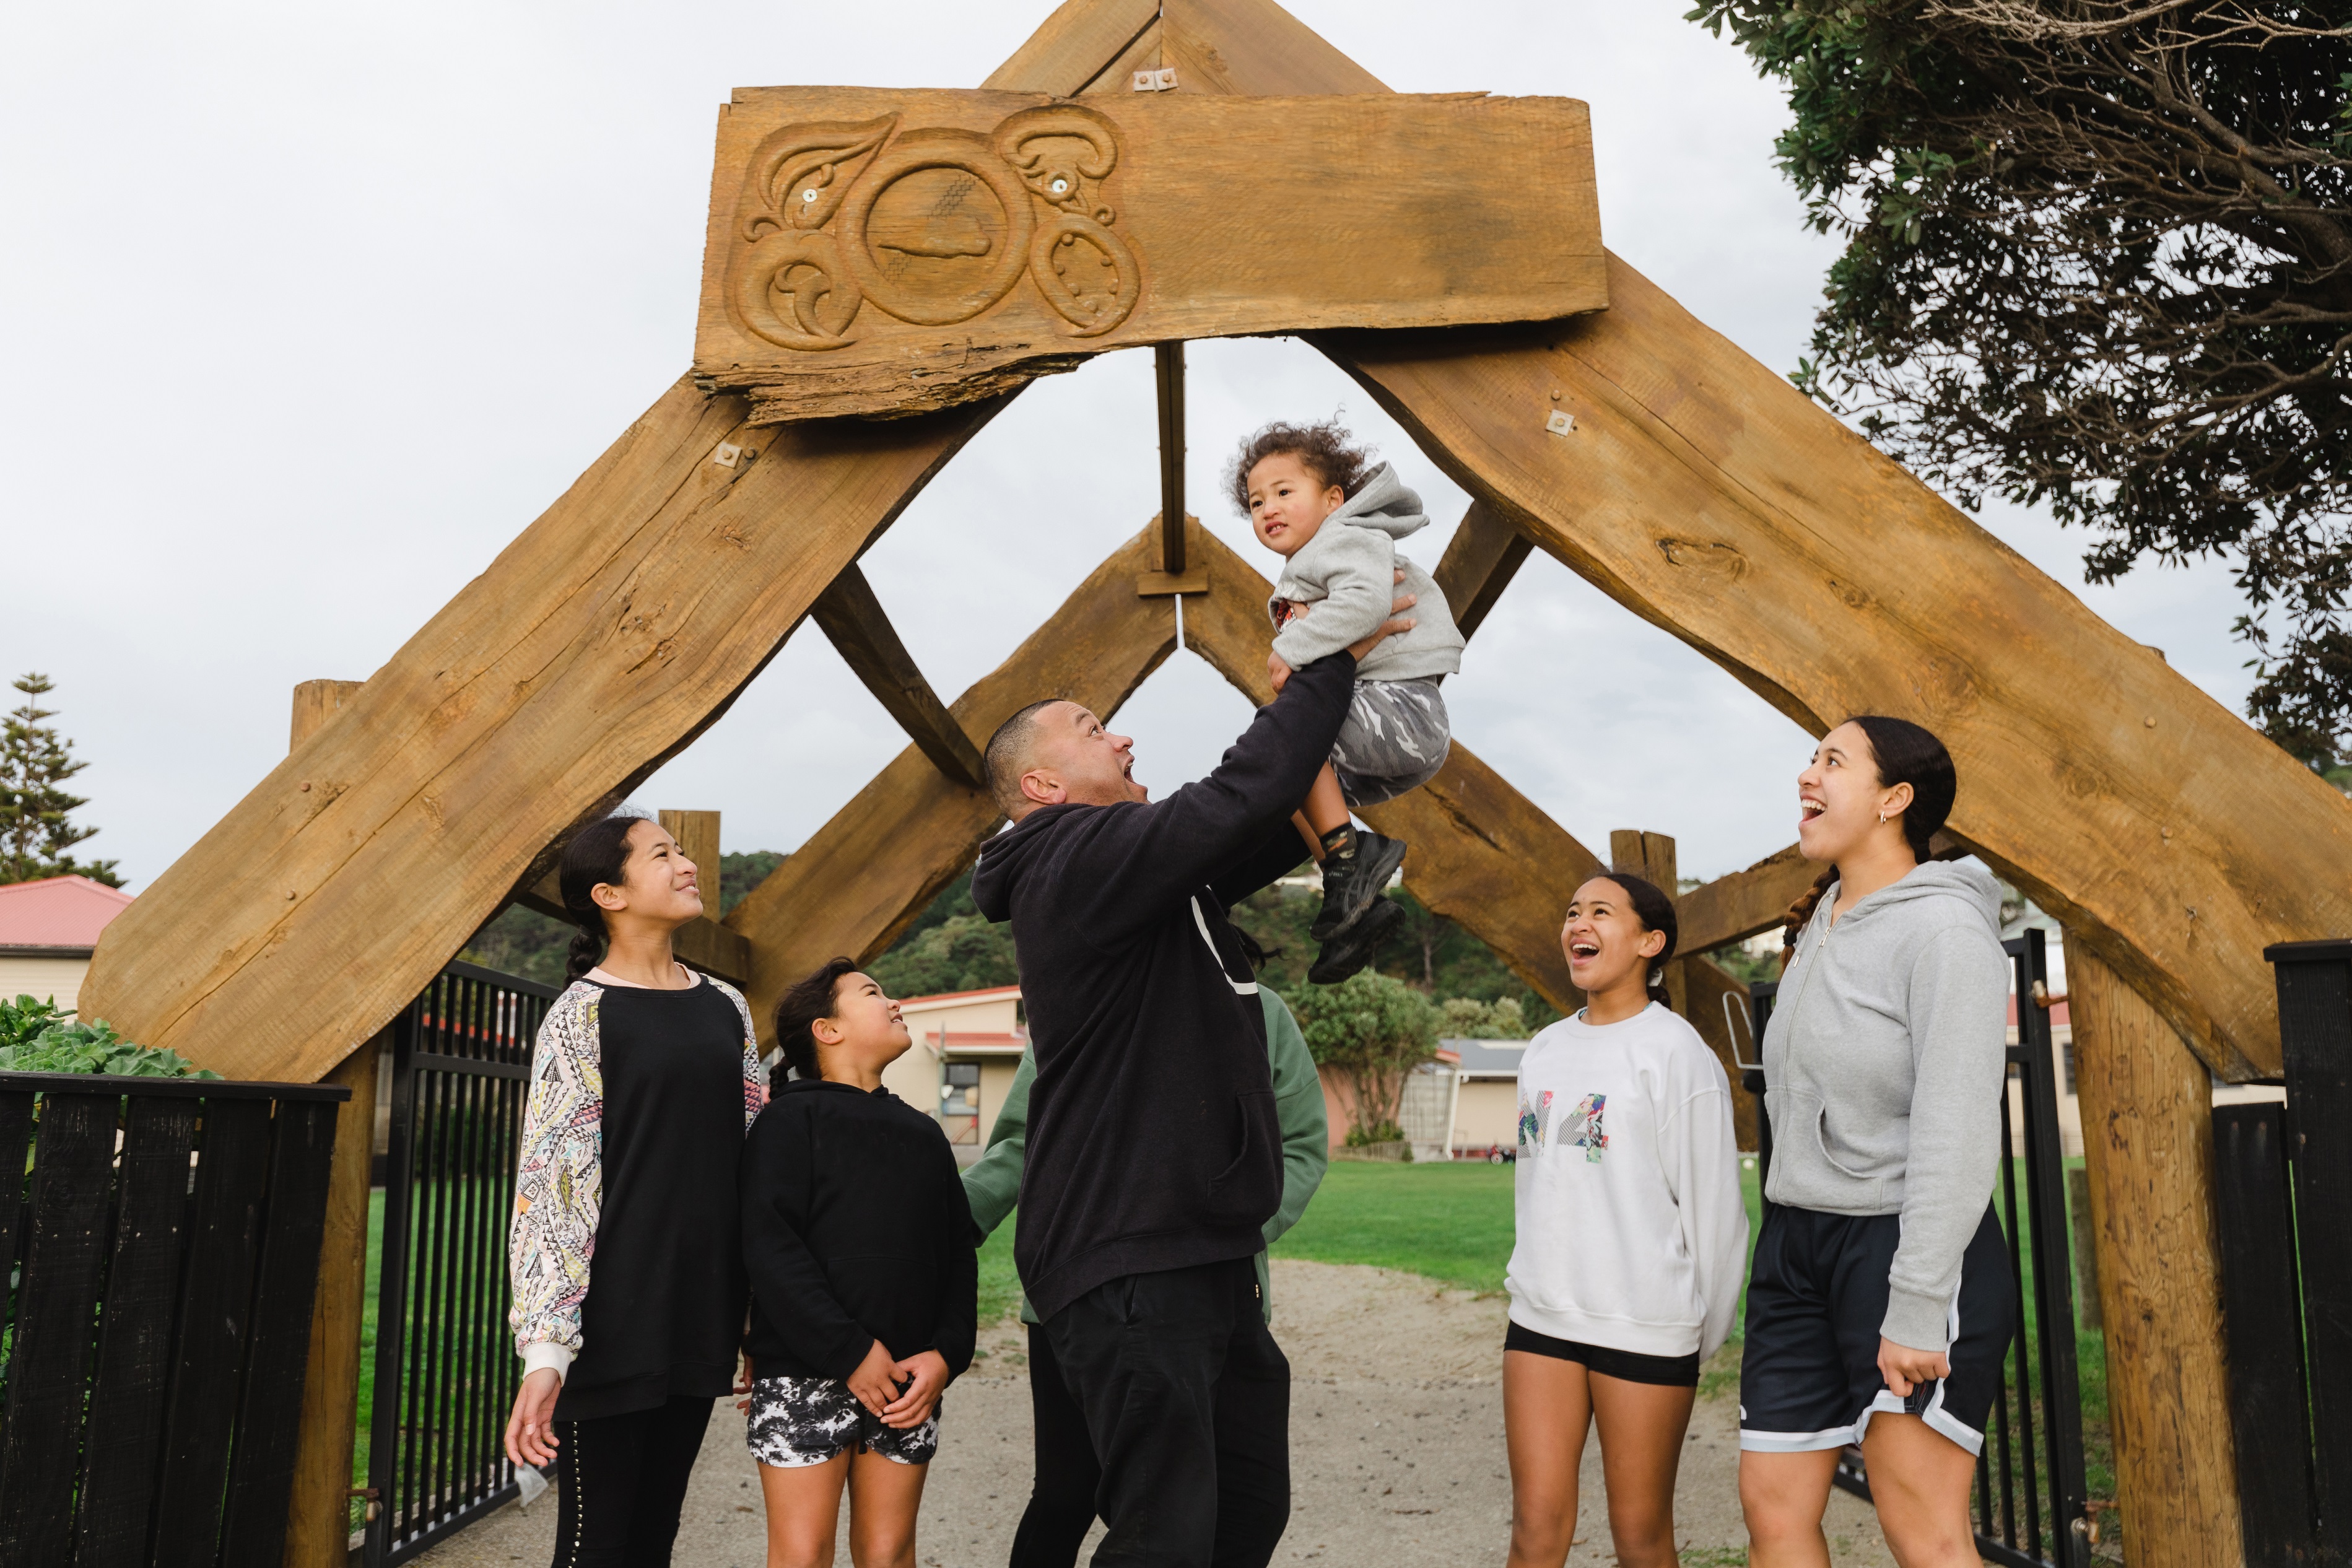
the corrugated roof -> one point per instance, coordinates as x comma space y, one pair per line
58, 911
1486, 1055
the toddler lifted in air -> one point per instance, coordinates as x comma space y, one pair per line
1315, 498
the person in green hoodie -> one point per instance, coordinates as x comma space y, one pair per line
1062, 1496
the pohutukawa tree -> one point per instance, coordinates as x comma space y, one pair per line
2099, 256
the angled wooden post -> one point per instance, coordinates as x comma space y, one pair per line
318, 1527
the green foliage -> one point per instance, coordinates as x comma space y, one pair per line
1425, 950
36, 825
962, 952
523, 943
1372, 1029
35, 1037
1468, 1019
2094, 259
741, 872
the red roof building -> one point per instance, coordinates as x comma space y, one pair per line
48, 930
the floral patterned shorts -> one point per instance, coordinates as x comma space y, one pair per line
801, 1421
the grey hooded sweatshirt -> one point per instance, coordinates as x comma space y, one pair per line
1348, 572
1886, 1062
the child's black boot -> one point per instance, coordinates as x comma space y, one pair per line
1357, 864
1352, 949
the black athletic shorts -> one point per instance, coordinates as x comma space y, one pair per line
1666, 1371
1808, 1376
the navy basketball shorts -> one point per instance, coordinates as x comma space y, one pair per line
1809, 1376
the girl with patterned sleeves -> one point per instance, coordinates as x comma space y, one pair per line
629, 1289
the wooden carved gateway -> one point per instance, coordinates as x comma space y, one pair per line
885, 253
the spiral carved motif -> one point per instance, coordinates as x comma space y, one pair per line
930, 226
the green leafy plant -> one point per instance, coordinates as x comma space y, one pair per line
62, 1046
1372, 1030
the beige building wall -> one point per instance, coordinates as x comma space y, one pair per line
1486, 1113
43, 979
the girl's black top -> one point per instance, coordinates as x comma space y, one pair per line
666, 1286
855, 1229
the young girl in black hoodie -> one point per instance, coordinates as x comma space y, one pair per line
860, 1248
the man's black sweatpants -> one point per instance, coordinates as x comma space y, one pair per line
1187, 1400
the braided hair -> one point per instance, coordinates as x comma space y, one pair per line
1902, 753
598, 853
1656, 912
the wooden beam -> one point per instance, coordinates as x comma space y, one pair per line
1118, 75
1651, 857
1483, 855
596, 647
1165, 580
1708, 495
1167, 376
1485, 553
853, 619
318, 1525
2148, 1143
884, 251
1745, 903
865, 875
1069, 50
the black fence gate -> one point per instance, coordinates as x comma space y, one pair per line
2029, 1487
446, 1373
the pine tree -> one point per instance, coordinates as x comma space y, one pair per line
36, 826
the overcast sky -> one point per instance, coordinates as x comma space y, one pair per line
306, 311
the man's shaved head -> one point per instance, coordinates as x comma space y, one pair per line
1056, 753
1011, 751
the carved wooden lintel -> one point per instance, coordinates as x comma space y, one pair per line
883, 252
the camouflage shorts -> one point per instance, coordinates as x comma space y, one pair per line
1395, 738
801, 1421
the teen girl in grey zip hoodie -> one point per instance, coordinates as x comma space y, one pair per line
1879, 1286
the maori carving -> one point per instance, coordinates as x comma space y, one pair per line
930, 226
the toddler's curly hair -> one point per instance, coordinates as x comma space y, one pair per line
1327, 451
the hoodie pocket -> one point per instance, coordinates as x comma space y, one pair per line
1249, 1189
1821, 1142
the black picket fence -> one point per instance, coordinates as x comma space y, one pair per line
2029, 1494
446, 1373
160, 1254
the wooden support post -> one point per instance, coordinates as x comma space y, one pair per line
1479, 563
1167, 372
2148, 1141
1651, 856
318, 1527
853, 617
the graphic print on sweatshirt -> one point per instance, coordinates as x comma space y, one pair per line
1532, 1117
1583, 1128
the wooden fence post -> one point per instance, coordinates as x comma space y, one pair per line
318, 1526
2148, 1141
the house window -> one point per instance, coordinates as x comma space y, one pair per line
960, 1089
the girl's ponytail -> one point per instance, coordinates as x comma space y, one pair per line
597, 853
1802, 911
1656, 912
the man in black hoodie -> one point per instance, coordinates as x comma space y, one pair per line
1154, 1155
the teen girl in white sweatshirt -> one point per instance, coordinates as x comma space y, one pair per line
1632, 1237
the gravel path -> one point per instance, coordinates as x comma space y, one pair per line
1396, 1451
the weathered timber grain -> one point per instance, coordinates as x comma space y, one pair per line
1118, 76
1483, 855
2148, 1143
315, 702
885, 252
1745, 903
1485, 553
1708, 496
866, 875
1705, 493
1070, 49
696, 835
854, 621
1252, 49
599, 643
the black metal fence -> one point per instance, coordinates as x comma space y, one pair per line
2029, 1495
446, 1373
2283, 1191
163, 1246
